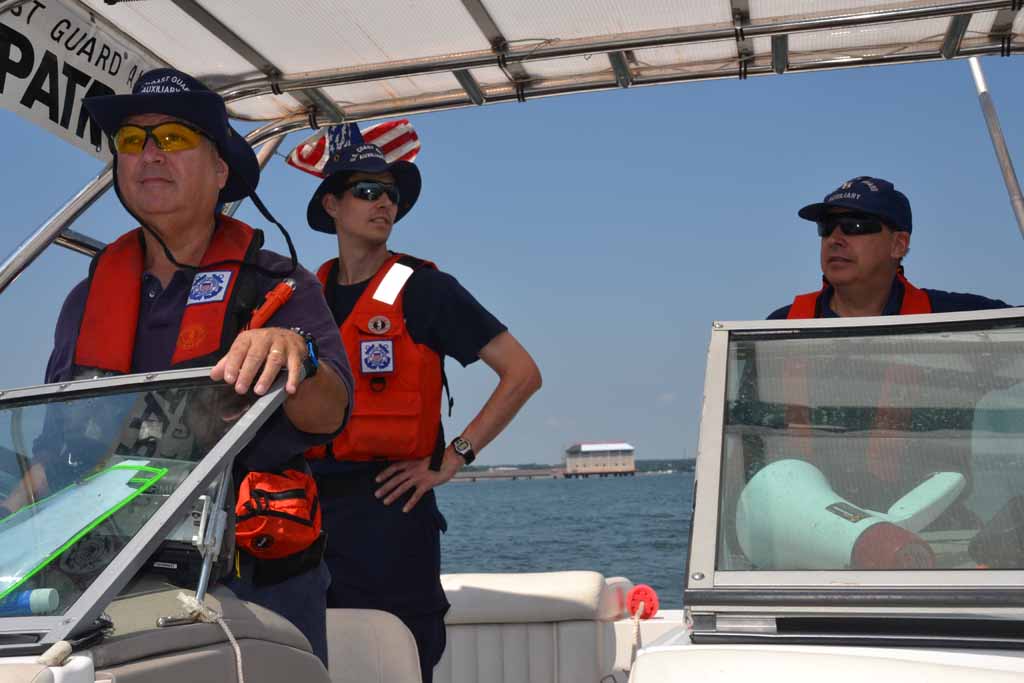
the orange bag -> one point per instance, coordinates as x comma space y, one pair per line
278, 514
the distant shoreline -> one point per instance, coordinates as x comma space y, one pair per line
539, 471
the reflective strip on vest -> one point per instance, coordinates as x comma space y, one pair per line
391, 286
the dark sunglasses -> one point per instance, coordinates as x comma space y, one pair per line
170, 136
371, 190
849, 225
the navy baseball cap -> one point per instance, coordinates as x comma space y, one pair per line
868, 195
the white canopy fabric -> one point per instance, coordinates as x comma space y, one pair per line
353, 60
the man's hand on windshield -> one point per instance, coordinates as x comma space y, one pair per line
258, 355
416, 474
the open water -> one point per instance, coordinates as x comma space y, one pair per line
635, 527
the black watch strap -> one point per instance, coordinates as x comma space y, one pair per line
464, 448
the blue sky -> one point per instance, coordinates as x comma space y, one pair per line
608, 230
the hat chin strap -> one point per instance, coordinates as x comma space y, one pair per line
274, 274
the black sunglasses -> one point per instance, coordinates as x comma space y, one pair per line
849, 225
371, 190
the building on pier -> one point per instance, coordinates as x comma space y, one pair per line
599, 459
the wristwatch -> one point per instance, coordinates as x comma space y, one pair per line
311, 362
462, 447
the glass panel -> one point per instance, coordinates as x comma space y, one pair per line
874, 452
79, 477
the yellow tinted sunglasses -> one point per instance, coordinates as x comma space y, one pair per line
171, 136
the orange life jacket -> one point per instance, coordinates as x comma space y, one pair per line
106, 337
278, 514
883, 457
915, 301
396, 410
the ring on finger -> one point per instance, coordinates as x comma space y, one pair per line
276, 351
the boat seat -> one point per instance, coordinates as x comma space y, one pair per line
370, 646
531, 628
137, 651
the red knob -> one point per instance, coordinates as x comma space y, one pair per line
645, 594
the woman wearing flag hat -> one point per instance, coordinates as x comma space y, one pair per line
399, 316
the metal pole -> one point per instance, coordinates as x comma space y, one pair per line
217, 522
27, 251
995, 131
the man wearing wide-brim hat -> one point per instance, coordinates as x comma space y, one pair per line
179, 292
399, 316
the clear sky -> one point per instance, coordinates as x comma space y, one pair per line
608, 230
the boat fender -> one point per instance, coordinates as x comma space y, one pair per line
642, 601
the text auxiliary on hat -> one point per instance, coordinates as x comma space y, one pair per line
866, 195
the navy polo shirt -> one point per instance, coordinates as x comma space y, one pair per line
160, 313
439, 313
942, 302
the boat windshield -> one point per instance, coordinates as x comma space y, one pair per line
80, 475
860, 449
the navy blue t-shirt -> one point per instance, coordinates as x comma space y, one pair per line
439, 312
942, 302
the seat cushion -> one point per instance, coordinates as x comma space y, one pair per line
370, 646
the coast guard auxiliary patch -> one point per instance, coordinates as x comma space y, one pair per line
379, 324
377, 356
209, 286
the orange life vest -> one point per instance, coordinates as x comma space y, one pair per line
396, 410
883, 458
915, 301
106, 337
278, 513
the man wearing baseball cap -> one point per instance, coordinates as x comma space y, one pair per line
180, 291
399, 316
865, 226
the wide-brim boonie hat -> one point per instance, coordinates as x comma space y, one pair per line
367, 158
174, 93
868, 195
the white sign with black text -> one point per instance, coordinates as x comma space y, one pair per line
51, 56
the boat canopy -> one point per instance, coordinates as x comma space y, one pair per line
333, 60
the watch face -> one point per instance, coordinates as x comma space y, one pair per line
461, 446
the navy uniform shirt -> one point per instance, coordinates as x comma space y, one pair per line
942, 302
160, 313
439, 313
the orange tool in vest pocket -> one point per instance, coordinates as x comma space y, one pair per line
275, 299
277, 514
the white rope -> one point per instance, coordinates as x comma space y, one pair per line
56, 655
209, 615
637, 644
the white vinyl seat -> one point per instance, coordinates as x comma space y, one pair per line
531, 628
370, 646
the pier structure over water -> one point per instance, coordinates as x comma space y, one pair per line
510, 473
605, 459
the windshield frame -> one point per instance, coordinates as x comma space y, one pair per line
801, 589
83, 612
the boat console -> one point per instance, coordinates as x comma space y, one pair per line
858, 492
